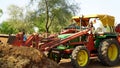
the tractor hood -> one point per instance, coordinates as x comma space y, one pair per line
63, 36
106, 20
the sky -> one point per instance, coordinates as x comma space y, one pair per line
4, 4
110, 7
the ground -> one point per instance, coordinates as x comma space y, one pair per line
65, 63
93, 64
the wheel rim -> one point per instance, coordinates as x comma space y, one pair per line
112, 52
82, 58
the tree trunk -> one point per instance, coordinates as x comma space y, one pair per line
47, 15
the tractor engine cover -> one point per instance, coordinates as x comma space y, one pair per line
117, 28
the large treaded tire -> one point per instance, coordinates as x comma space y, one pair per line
80, 51
108, 52
53, 56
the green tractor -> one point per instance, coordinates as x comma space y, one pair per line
81, 44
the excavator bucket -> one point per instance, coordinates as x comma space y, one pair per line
11, 39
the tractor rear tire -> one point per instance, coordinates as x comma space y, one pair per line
108, 52
80, 57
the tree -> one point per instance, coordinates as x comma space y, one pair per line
55, 11
6, 28
1, 12
15, 13
19, 19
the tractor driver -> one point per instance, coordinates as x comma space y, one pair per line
91, 26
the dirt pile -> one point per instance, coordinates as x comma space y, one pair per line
23, 57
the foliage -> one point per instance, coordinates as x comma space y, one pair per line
18, 19
49, 16
15, 13
6, 28
1, 12
54, 12
9, 27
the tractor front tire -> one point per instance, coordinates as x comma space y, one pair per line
53, 56
108, 52
80, 57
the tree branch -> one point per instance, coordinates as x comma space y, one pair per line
51, 21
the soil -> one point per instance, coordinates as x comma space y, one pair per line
94, 63
24, 57
12, 58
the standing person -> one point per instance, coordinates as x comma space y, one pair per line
24, 36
